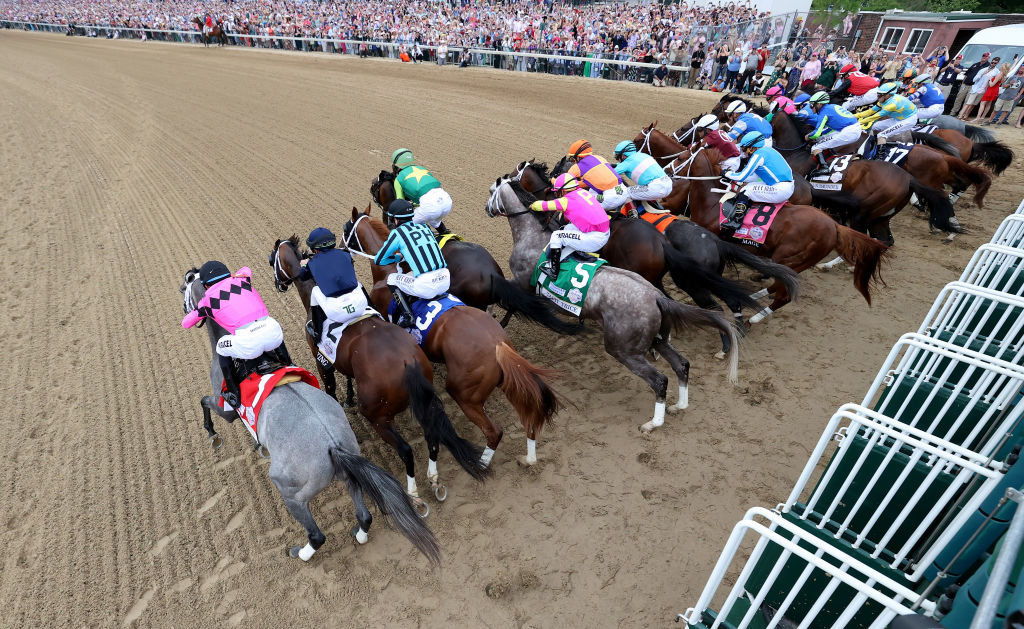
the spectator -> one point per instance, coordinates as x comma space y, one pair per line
810, 73
968, 82
660, 74
993, 83
979, 86
1009, 95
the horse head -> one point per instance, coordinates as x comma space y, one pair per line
286, 259
385, 176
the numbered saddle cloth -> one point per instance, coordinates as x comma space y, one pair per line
894, 152
425, 313
756, 222
925, 128
257, 387
327, 349
569, 291
832, 177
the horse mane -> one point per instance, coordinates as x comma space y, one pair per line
379, 227
715, 158
539, 168
522, 193
751, 106
802, 127
560, 167
386, 175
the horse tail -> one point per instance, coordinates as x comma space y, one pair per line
973, 175
940, 209
511, 297
995, 155
844, 205
675, 317
935, 142
865, 254
391, 500
429, 412
527, 388
685, 273
733, 253
977, 134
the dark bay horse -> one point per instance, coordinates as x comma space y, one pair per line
217, 33
311, 444
476, 277
634, 316
800, 237
391, 374
474, 347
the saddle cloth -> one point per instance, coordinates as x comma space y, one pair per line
256, 388
925, 128
756, 222
575, 274
831, 178
425, 313
894, 152
661, 221
327, 349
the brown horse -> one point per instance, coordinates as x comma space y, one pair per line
476, 350
217, 33
392, 374
476, 277
800, 237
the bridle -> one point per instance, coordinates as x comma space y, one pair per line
281, 278
646, 145
351, 234
496, 207
189, 303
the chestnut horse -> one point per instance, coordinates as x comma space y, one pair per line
800, 237
392, 374
476, 350
476, 277
217, 33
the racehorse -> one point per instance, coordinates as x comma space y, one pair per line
476, 277
217, 33
474, 347
800, 237
692, 255
635, 317
311, 444
391, 373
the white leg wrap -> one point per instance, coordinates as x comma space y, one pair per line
531, 451
410, 486
486, 457
431, 469
362, 536
914, 200
658, 420
761, 316
684, 398
834, 262
306, 552
759, 294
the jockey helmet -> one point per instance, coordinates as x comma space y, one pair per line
400, 210
908, 75
801, 99
921, 79
580, 148
736, 107
564, 183
774, 91
708, 122
887, 88
402, 158
848, 68
752, 139
624, 148
212, 272
321, 238
820, 98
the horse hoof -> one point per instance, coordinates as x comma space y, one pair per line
720, 355
263, 452
422, 508
215, 441
647, 428
440, 492
293, 552
525, 461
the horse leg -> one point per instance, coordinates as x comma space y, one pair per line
350, 393
474, 410
363, 517
781, 298
702, 297
655, 379
681, 366
507, 318
433, 446
385, 427
296, 495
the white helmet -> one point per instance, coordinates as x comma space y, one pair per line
736, 107
707, 121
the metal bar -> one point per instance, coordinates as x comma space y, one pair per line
989, 604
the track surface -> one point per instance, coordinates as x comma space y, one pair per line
125, 163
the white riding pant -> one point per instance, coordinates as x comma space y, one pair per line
570, 239
654, 191
207, 30
731, 165
251, 340
846, 135
931, 111
343, 308
763, 193
614, 198
867, 98
434, 206
889, 127
426, 286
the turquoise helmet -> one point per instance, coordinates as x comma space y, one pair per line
624, 148
752, 138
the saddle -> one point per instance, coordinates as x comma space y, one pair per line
264, 364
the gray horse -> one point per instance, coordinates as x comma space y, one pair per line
635, 316
310, 444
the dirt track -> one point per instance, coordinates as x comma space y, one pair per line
123, 164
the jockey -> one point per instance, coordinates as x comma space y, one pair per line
417, 184
743, 121
836, 126
858, 88
233, 304
652, 183
769, 178
338, 296
928, 98
900, 114
777, 99
706, 133
588, 226
208, 24
412, 244
595, 173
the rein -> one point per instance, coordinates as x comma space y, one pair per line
190, 303
281, 279
352, 235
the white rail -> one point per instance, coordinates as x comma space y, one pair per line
1011, 231
996, 267
991, 322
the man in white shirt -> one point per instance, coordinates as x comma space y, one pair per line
979, 87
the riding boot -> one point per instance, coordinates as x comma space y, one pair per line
232, 395
442, 230
283, 356
554, 263
405, 316
315, 325
739, 211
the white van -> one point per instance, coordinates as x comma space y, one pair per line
1005, 42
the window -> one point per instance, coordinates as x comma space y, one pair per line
917, 41
891, 39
